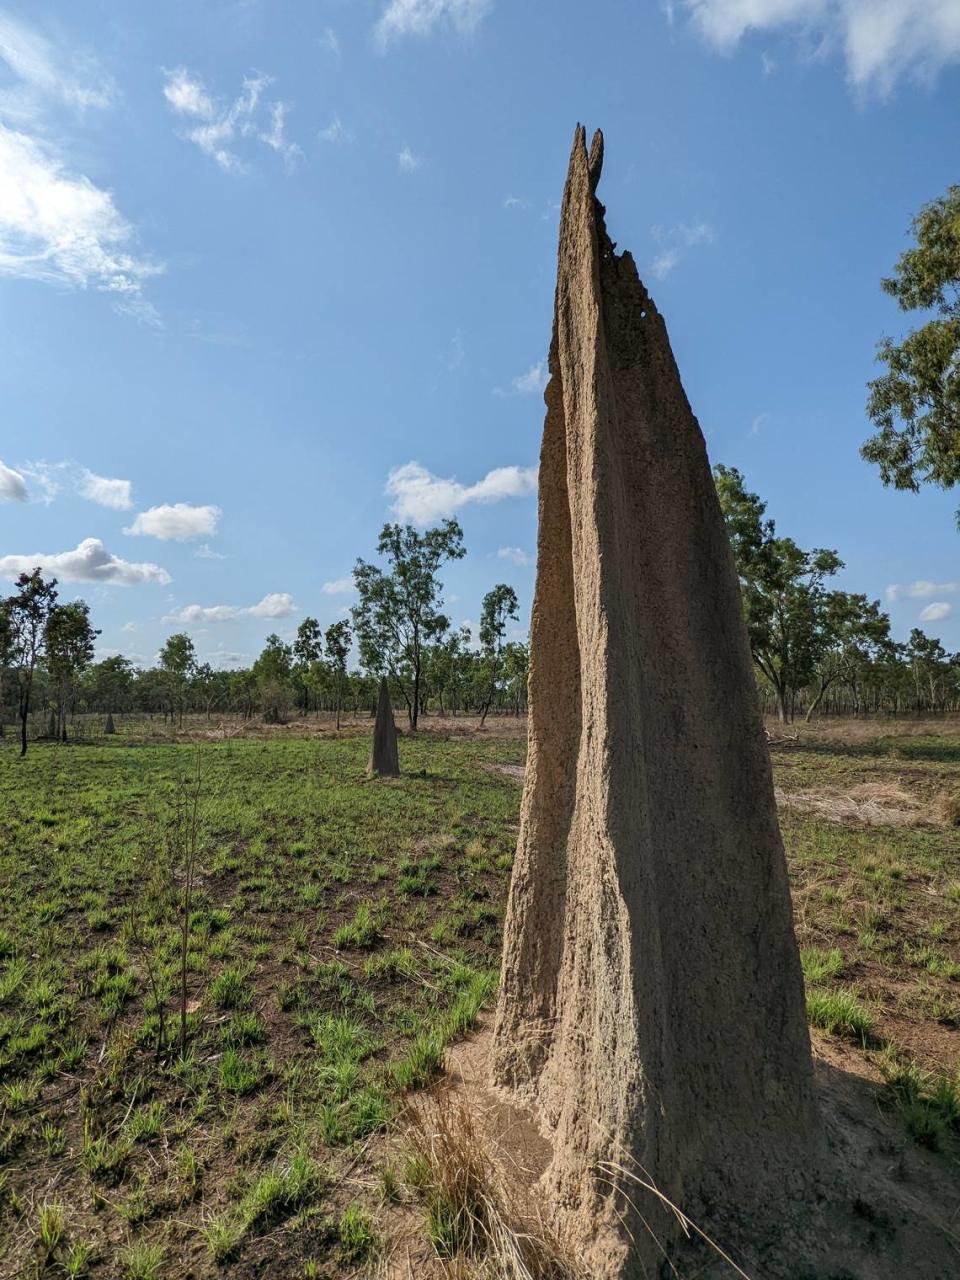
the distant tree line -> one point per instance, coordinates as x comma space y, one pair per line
398, 629
817, 649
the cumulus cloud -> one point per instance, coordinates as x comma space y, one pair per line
277, 604
13, 487
338, 587
89, 562
516, 555
423, 17
217, 127
934, 612
177, 523
419, 496
882, 41
922, 589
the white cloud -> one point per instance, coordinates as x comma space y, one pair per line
42, 73
423, 17
664, 263
768, 65
56, 225
52, 477
534, 380
420, 496
58, 228
934, 612
187, 95
922, 589
674, 241
206, 552
330, 41
278, 604
516, 555
105, 492
219, 127
334, 133
338, 587
13, 487
90, 562
408, 162
177, 523
882, 41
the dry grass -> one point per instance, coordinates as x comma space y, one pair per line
874, 804
482, 1225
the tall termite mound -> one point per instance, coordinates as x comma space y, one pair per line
384, 759
651, 1007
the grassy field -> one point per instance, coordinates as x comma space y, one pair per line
340, 932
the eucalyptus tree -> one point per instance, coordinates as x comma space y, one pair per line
273, 671
915, 404
399, 614
178, 661
28, 610
500, 606
337, 641
786, 603
69, 645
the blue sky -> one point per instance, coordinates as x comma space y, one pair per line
272, 273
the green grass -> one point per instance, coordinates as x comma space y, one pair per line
313, 994
839, 1012
342, 934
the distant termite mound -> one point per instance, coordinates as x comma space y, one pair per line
651, 1008
384, 758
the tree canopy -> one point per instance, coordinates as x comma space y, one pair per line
915, 404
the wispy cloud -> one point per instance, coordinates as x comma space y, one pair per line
206, 552
516, 555
56, 225
334, 134
424, 17
936, 612
339, 586
52, 478
219, 127
407, 161
675, 241
277, 604
180, 522
13, 487
89, 562
921, 589
881, 41
58, 228
104, 491
419, 496
533, 381
330, 42
46, 74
